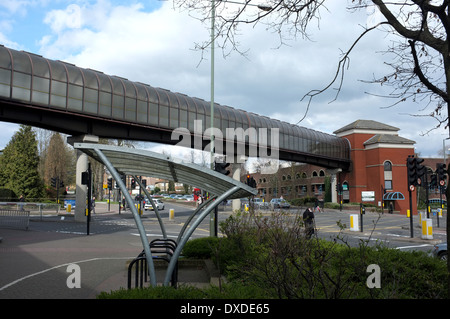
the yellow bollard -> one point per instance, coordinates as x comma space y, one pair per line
427, 228
354, 222
171, 214
69, 208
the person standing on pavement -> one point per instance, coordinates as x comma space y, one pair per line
199, 200
308, 219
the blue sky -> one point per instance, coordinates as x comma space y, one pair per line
152, 42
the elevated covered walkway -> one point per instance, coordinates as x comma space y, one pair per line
63, 97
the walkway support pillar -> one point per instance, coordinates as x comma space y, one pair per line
81, 166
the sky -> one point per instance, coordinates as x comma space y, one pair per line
153, 42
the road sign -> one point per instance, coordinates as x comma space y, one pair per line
442, 183
411, 188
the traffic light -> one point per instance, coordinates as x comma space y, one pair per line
251, 181
420, 169
53, 181
222, 168
61, 184
412, 173
109, 183
84, 178
440, 171
433, 181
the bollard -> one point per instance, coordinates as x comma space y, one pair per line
171, 214
427, 228
354, 222
69, 208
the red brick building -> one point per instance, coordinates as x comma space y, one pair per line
379, 170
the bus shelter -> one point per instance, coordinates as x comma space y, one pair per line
127, 161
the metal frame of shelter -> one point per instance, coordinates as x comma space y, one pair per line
121, 160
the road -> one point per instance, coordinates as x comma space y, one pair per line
34, 263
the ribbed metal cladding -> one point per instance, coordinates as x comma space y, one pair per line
32, 79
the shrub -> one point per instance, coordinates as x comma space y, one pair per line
273, 253
201, 248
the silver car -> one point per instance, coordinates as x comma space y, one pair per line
440, 251
279, 203
158, 203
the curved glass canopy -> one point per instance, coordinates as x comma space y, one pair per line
32, 79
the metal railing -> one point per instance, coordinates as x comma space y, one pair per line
14, 218
34, 208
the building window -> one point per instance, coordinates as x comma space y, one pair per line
387, 184
387, 166
388, 175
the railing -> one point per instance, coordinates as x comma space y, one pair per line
161, 249
32, 207
14, 218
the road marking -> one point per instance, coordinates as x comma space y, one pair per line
153, 235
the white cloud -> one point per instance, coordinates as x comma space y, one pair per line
70, 18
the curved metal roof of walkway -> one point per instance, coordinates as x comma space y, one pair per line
131, 161
63, 97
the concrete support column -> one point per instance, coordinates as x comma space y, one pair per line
334, 195
334, 180
238, 160
81, 190
82, 166
236, 203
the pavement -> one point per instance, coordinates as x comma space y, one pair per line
38, 263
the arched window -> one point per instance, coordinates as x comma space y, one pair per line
387, 166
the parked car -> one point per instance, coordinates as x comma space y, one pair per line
158, 203
189, 198
279, 203
440, 251
259, 203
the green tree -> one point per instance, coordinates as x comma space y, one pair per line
19, 165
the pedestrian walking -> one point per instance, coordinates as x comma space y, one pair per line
317, 206
21, 202
308, 219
